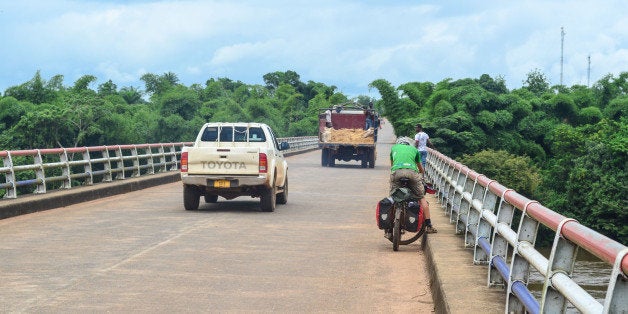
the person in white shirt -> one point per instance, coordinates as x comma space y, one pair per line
421, 141
328, 118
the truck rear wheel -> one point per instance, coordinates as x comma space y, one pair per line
372, 159
324, 157
191, 197
268, 200
282, 197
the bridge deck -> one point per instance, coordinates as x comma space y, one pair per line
141, 251
458, 286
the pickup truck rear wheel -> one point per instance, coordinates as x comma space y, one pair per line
282, 197
268, 200
191, 197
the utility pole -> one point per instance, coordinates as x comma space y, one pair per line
562, 41
588, 70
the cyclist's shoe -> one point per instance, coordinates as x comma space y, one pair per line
431, 229
388, 235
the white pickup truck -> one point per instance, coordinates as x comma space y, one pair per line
235, 159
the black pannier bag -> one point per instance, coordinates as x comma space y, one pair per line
412, 217
384, 214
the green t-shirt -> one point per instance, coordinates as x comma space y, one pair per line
404, 157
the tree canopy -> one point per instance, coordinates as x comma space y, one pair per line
564, 146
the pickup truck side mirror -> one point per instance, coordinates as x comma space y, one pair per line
284, 145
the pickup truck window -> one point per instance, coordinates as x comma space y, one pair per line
256, 135
239, 134
210, 134
226, 134
231, 134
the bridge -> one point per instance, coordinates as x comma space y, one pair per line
121, 242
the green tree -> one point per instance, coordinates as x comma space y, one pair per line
108, 88
82, 113
35, 91
563, 107
179, 100
274, 79
159, 84
41, 128
515, 172
131, 95
590, 115
82, 84
536, 82
617, 108
497, 86
10, 112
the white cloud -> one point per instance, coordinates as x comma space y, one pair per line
254, 51
347, 44
112, 71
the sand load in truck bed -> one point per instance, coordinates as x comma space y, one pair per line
353, 136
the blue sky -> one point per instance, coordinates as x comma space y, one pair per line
343, 43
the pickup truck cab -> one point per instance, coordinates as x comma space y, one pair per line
235, 159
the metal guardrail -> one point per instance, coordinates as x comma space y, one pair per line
39, 170
483, 210
299, 144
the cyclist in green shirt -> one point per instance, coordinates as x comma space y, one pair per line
405, 162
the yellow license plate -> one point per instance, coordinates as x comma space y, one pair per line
222, 183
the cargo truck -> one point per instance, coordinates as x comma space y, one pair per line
347, 139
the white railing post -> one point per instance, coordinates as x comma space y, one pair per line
120, 171
162, 159
499, 247
65, 170
616, 300
174, 161
519, 266
9, 176
108, 177
489, 201
87, 167
562, 260
40, 173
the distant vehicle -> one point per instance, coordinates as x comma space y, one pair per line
235, 159
335, 142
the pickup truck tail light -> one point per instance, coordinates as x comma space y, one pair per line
184, 162
263, 163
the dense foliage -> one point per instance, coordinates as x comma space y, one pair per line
45, 113
564, 146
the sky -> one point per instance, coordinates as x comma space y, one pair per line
344, 43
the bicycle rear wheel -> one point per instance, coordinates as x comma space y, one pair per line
396, 236
410, 237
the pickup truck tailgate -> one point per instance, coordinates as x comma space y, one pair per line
223, 160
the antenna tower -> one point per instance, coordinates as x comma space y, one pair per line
562, 42
588, 70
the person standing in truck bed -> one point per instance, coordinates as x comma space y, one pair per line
328, 118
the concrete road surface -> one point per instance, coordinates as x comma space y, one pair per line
142, 252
